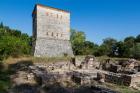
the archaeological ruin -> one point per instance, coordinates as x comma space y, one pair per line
83, 72
51, 32
125, 72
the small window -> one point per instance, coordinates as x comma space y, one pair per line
47, 33
52, 33
57, 34
61, 35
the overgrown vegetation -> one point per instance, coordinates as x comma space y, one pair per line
13, 42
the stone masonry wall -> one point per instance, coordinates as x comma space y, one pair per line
50, 48
51, 30
53, 24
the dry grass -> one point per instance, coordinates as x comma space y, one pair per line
113, 59
51, 59
12, 60
102, 58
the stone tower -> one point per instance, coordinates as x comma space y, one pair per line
51, 32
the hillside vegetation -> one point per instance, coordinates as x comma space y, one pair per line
13, 42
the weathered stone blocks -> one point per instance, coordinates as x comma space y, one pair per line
51, 48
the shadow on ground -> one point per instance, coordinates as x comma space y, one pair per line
6, 87
20, 66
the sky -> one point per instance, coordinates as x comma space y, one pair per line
99, 19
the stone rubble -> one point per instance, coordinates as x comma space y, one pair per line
83, 73
88, 70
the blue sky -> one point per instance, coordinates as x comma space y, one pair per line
99, 19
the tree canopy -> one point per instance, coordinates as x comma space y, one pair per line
13, 42
129, 47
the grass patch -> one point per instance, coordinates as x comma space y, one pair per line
11, 60
115, 87
113, 59
4, 79
102, 58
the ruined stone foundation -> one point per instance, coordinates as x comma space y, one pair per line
52, 47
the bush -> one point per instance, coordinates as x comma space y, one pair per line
13, 42
13, 46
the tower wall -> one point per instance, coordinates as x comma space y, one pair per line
51, 30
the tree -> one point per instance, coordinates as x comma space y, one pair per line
13, 43
16, 33
13, 46
138, 39
136, 51
101, 50
120, 49
77, 39
77, 36
1, 25
108, 46
88, 48
129, 43
80, 45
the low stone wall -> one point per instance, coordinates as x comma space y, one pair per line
118, 79
83, 77
122, 79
